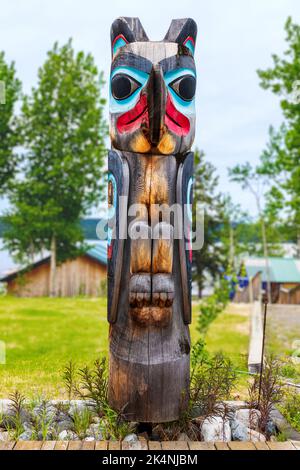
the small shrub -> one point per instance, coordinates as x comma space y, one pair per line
290, 408
212, 306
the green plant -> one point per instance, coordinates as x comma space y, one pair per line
289, 371
81, 421
42, 422
290, 408
266, 391
114, 425
69, 378
14, 424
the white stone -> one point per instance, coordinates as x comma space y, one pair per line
216, 428
248, 417
131, 438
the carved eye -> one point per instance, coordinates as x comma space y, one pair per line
123, 86
184, 87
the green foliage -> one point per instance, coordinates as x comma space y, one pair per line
9, 135
210, 259
290, 408
210, 307
81, 421
91, 384
281, 158
64, 133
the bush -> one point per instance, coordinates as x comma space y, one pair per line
212, 306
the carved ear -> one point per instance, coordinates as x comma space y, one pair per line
184, 32
125, 30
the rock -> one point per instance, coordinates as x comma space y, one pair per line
216, 429
66, 424
94, 430
131, 438
255, 436
270, 428
239, 431
90, 438
45, 411
96, 420
249, 418
4, 436
27, 426
183, 437
25, 436
67, 436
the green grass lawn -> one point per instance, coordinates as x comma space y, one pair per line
41, 335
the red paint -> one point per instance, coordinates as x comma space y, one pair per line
109, 251
189, 38
135, 117
175, 121
120, 36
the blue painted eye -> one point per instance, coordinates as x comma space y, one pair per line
184, 87
123, 86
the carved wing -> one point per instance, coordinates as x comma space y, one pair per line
118, 185
184, 195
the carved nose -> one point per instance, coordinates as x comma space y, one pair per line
156, 103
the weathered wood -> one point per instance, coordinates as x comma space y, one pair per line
149, 273
61, 445
7, 445
28, 445
174, 445
75, 445
296, 444
88, 445
261, 445
241, 445
114, 445
221, 446
154, 445
101, 445
196, 445
287, 445
48, 445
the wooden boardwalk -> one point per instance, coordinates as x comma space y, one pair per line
147, 445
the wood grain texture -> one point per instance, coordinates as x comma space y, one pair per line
28, 445
74, 445
7, 445
61, 445
48, 445
241, 445
149, 336
101, 445
281, 445
196, 445
221, 446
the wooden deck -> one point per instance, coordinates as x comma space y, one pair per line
147, 445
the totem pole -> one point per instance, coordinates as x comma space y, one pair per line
152, 126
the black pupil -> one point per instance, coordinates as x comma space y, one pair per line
187, 88
121, 87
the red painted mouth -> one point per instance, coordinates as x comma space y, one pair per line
134, 118
175, 121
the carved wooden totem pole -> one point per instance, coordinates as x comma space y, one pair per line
152, 126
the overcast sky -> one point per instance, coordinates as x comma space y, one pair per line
235, 37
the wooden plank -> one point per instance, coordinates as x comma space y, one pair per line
281, 445
101, 445
48, 445
261, 445
61, 445
7, 445
74, 445
88, 445
296, 444
114, 445
221, 446
197, 445
28, 445
174, 445
154, 445
241, 445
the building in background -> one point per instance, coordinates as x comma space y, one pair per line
84, 275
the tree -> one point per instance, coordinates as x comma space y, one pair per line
281, 159
210, 259
9, 137
252, 179
64, 137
